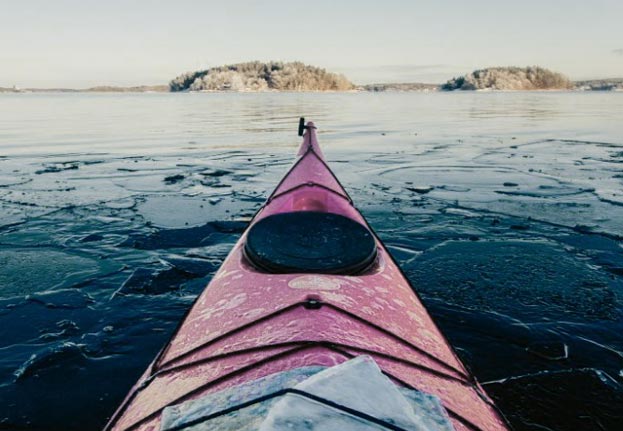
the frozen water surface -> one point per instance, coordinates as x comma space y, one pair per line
504, 209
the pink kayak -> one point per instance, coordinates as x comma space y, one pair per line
308, 324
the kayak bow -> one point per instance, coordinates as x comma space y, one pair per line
308, 287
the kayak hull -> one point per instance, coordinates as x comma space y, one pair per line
248, 324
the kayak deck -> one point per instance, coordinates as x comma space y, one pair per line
250, 323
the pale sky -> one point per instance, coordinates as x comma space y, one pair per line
81, 43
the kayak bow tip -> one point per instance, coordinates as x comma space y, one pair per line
310, 141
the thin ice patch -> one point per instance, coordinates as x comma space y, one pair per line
34, 270
518, 278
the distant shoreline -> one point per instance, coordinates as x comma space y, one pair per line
599, 85
277, 76
98, 89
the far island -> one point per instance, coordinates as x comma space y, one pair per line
526, 79
510, 78
256, 76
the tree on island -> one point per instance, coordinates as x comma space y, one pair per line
510, 78
257, 76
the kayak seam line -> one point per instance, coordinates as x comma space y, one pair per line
328, 345
408, 362
175, 368
348, 355
298, 161
286, 391
303, 303
252, 365
326, 165
463, 420
283, 179
309, 343
229, 333
307, 184
399, 338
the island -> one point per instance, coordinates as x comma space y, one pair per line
257, 76
510, 78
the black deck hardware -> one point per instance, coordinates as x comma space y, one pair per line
302, 126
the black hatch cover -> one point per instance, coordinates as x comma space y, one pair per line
310, 242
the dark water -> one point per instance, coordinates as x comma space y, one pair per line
505, 210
